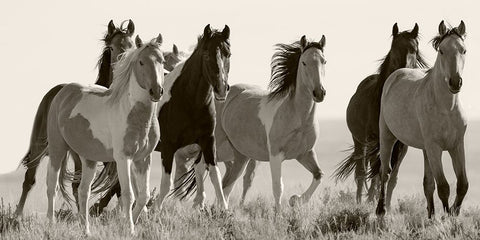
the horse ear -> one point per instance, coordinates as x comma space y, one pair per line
226, 32
461, 28
303, 42
395, 29
442, 29
322, 42
111, 27
138, 41
207, 31
175, 50
130, 27
160, 39
414, 32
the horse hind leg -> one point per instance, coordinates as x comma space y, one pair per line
359, 155
248, 178
200, 168
207, 144
28, 183
309, 161
233, 172
398, 154
141, 172
76, 182
458, 161
88, 174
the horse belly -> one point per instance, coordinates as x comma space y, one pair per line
244, 129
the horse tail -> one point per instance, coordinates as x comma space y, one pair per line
188, 185
346, 167
105, 180
38, 140
67, 176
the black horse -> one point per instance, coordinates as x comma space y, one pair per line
187, 117
363, 112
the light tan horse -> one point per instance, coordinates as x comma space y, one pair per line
100, 125
423, 110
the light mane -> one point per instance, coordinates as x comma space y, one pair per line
122, 72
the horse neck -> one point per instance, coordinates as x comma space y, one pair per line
438, 88
193, 86
301, 104
388, 66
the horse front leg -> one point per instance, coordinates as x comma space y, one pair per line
434, 155
141, 172
277, 182
166, 181
309, 161
458, 161
428, 185
207, 144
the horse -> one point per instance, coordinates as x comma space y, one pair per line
363, 111
172, 58
116, 40
118, 125
188, 106
423, 110
273, 125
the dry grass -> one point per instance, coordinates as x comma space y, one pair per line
333, 215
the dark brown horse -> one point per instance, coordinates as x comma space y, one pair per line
363, 112
117, 40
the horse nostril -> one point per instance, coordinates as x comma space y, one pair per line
161, 91
151, 92
228, 87
460, 83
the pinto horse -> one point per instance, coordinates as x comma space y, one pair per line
187, 111
115, 125
117, 40
363, 111
423, 110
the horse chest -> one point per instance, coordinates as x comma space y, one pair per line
142, 132
444, 127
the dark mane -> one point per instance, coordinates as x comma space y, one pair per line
105, 72
284, 68
438, 39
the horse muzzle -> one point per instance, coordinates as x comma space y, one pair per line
455, 84
156, 94
222, 95
319, 95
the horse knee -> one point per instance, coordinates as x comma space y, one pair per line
443, 191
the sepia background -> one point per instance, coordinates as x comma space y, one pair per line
45, 43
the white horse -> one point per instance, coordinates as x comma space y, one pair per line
423, 110
118, 124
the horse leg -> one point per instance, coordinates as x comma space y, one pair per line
428, 185
199, 200
277, 183
248, 178
434, 154
76, 182
88, 174
125, 179
387, 140
233, 172
458, 161
166, 182
141, 171
28, 183
360, 172
309, 161
398, 154
207, 144
373, 189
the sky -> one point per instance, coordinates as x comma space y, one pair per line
49, 42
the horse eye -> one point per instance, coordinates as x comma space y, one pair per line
141, 63
304, 64
441, 52
464, 51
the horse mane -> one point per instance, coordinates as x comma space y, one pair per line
284, 66
123, 70
438, 39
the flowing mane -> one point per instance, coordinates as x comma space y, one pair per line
284, 68
123, 70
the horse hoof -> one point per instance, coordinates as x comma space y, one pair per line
380, 211
294, 200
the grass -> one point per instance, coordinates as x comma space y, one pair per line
330, 215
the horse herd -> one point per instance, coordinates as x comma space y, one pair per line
146, 100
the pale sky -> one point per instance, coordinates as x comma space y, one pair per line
50, 42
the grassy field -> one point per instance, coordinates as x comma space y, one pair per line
331, 214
